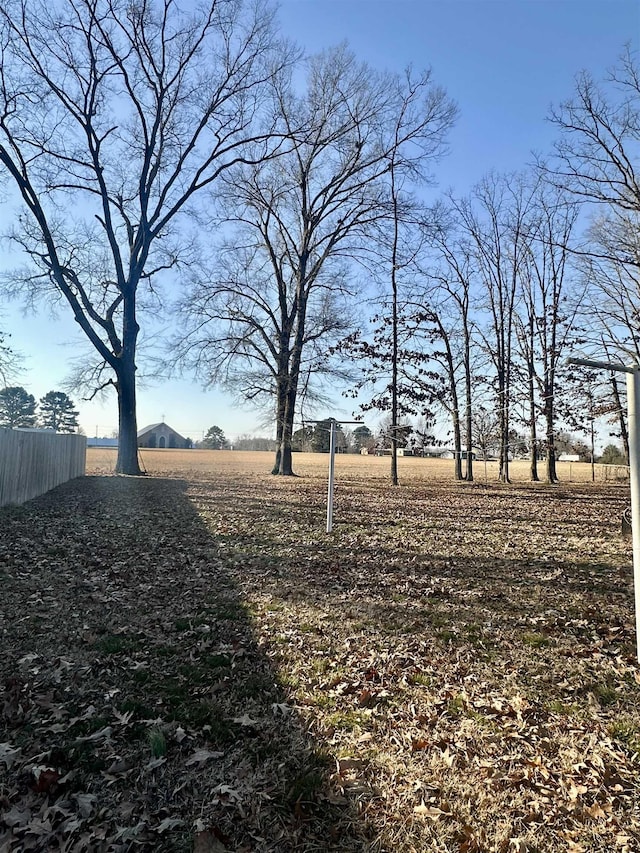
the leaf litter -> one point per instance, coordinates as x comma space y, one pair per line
190, 663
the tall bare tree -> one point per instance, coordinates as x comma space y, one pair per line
597, 160
448, 308
113, 116
265, 326
547, 314
612, 271
596, 154
496, 220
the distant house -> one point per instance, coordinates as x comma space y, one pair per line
161, 435
451, 454
101, 442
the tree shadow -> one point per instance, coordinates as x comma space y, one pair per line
141, 709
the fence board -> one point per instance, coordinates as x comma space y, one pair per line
32, 463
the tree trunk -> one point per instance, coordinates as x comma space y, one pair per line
455, 407
285, 468
394, 335
468, 421
287, 405
276, 464
533, 436
531, 388
552, 474
457, 442
281, 389
624, 432
127, 462
503, 473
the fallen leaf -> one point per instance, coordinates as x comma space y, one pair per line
245, 720
202, 755
206, 842
432, 812
9, 754
169, 823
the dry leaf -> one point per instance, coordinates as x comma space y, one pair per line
200, 756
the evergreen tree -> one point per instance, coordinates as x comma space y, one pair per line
214, 439
57, 412
321, 440
302, 438
17, 408
362, 437
612, 455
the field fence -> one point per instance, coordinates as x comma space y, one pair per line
600, 474
32, 463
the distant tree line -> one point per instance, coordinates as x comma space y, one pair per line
274, 185
56, 411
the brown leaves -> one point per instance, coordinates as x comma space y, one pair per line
223, 673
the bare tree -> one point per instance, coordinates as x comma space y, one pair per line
486, 433
496, 220
596, 160
596, 154
405, 239
614, 284
447, 308
8, 360
264, 329
548, 313
113, 116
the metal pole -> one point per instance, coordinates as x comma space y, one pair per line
332, 460
633, 401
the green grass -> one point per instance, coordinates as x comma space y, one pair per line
346, 720
627, 732
604, 693
116, 644
535, 641
157, 743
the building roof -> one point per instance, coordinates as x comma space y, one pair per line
152, 427
147, 429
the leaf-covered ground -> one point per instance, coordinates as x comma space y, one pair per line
189, 662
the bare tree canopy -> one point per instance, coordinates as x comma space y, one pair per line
265, 325
597, 153
496, 219
113, 116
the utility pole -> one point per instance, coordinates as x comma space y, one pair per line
633, 402
333, 424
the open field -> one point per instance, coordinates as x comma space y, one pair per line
190, 663
103, 460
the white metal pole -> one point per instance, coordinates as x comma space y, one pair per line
633, 401
332, 457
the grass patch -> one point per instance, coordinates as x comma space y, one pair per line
345, 720
626, 731
115, 644
157, 743
605, 693
535, 641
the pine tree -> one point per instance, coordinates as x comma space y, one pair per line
57, 412
215, 439
17, 408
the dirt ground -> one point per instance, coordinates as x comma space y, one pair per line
189, 662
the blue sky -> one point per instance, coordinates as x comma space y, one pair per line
504, 62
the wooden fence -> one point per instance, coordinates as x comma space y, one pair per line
31, 463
